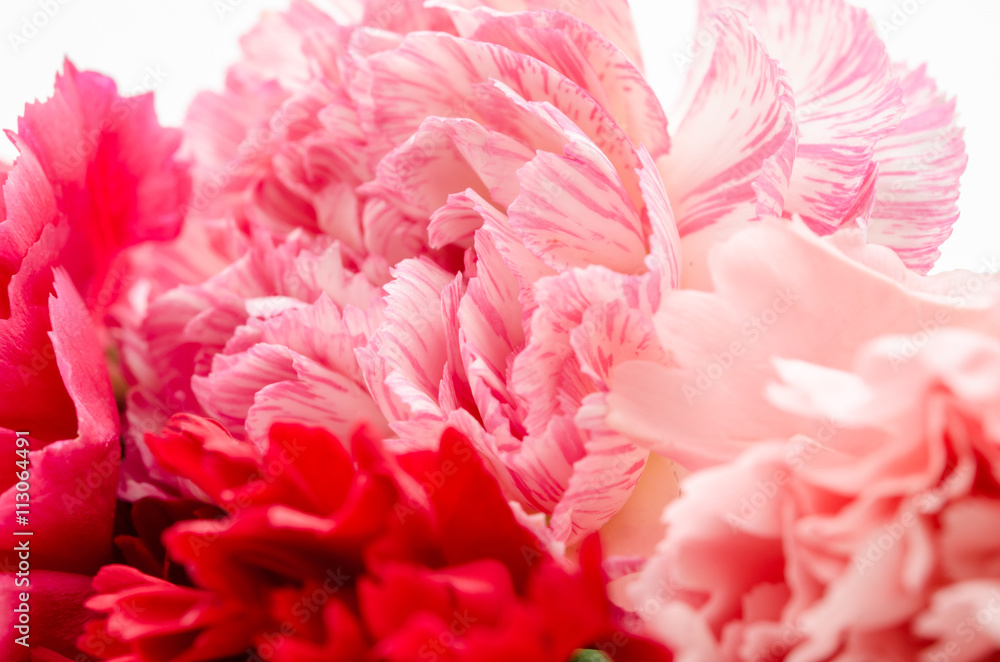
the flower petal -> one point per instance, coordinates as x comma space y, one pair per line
583, 55
445, 156
845, 96
613, 18
574, 210
405, 359
919, 169
439, 75
73, 482
730, 153
711, 401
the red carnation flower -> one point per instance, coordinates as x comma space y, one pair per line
319, 555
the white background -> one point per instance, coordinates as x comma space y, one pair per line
181, 46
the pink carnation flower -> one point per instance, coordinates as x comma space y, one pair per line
872, 537
406, 181
95, 174
496, 183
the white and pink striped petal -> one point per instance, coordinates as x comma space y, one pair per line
612, 18
446, 156
845, 96
250, 391
574, 210
731, 153
918, 179
404, 362
582, 54
439, 75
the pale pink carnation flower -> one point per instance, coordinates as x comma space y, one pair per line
870, 536
826, 299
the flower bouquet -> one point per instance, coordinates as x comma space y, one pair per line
434, 337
